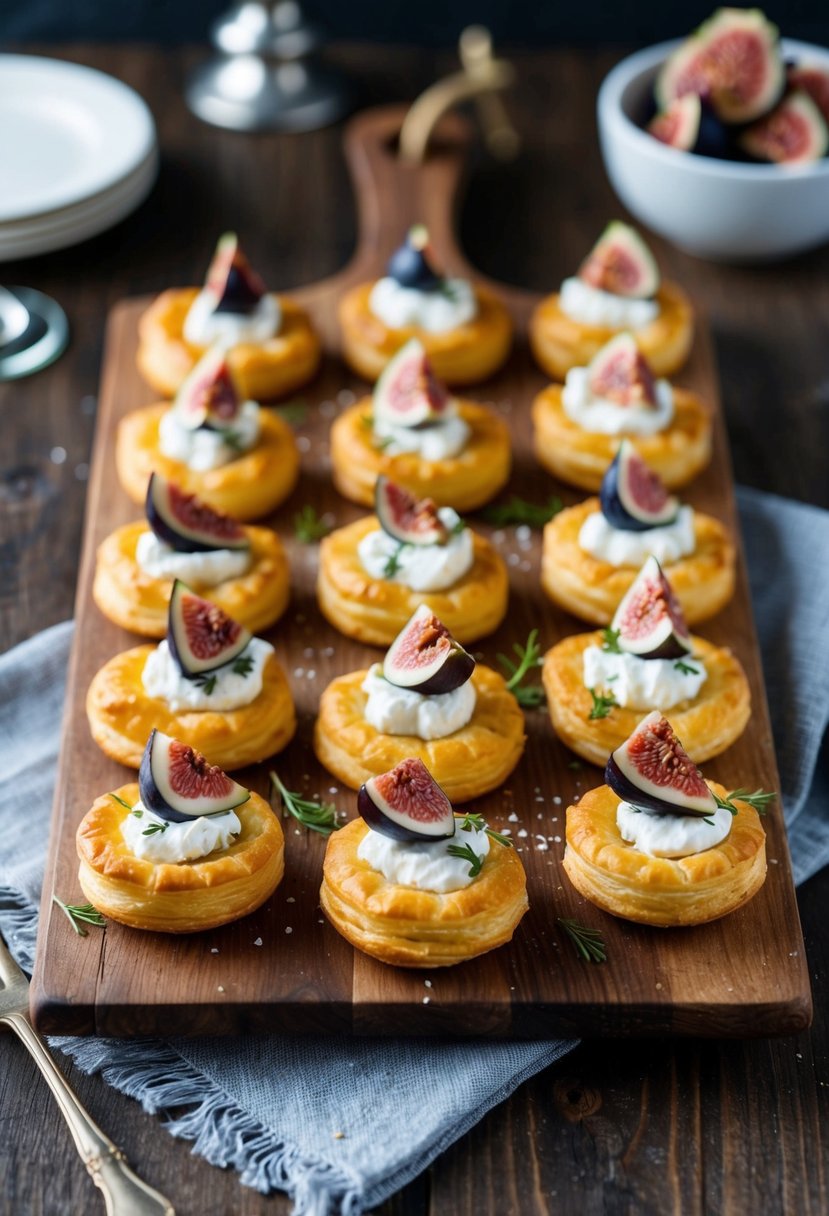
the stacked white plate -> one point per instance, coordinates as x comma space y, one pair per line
78, 152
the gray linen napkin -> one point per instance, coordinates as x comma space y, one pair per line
270, 1106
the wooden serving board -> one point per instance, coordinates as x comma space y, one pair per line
285, 968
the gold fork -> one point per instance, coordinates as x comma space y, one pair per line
124, 1192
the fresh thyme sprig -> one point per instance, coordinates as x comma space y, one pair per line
243, 665
529, 657
467, 853
685, 668
80, 914
206, 682
610, 640
393, 564
760, 800
121, 802
293, 412
308, 526
315, 815
472, 822
155, 829
233, 440
601, 706
518, 511
588, 942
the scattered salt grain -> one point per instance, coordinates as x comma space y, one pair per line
513, 559
299, 671
290, 900
220, 988
523, 532
338, 1135
427, 983
258, 941
522, 832
288, 929
557, 799
214, 949
310, 674
426, 1000
512, 817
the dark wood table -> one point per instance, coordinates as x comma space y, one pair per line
634, 1127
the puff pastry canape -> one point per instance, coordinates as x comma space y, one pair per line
658, 844
464, 327
415, 885
183, 850
455, 451
209, 683
600, 685
242, 569
577, 427
617, 288
236, 456
375, 572
591, 552
428, 699
271, 344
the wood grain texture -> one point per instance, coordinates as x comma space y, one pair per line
305, 977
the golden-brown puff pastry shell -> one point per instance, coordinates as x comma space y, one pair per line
121, 715
135, 600
707, 725
581, 458
252, 485
263, 370
465, 481
412, 928
184, 897
593, 589
463, 355
466, 764
559, 342
375, 610
661, 891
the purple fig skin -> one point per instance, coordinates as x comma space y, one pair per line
384, 508
155, 753
407, 665
624, 788
177, 640
374, 809
455, 668
161, 518
618, 506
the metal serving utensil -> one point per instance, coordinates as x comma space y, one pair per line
124, 1192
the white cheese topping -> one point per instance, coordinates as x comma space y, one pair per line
426, 865
606, 417
401, 711
437, 441
160, 560
638, 683
420, 567
203, 326
162, 678
592, 306
435, 311
671, 835
205, 449
622, 548
178, 842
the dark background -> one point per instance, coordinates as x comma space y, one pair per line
425, 22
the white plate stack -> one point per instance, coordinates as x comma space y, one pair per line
78, 152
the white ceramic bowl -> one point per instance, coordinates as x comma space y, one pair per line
716, 209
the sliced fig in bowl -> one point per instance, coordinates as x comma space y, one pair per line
678, 125
177, 783
408, 393
814, 81
795, 133
209, 396
426, 658
620, 373
652, 771
633, 497
236, 287
649, 620
407, 519
406, 803
621, 263
201, 637
187, 524
412, 264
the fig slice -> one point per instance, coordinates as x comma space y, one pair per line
621, 263
813, 80
406, 803
408, 393
209, 396
407, 519
234, 285
678, 126
177, 783
633, 496
794, 133
620, 373
649, 620
187, 524
412, 264
651, 770
200, 635
426, 658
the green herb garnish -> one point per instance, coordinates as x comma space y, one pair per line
529, 657
121, 802
601, 706
467, 853
685, 668
575, 765
457, 527
315, 815
293, 412
243, 665
588, 942
308, 527
155, 829
233, 440
393, 564
80, 915
518, 511
760, 800
610, 640
367, 421
207, 683
137, 812
472, 822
